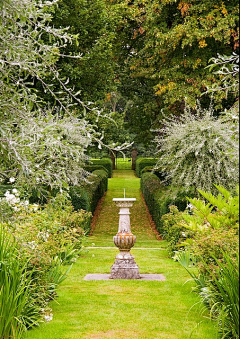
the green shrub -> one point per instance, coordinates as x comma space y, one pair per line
106, 163
141, 163
174, 231
92, 168
215, 249
86, 197
147, 169
220, 293
151, 169
216, 224
211, 243
159, 198
52, 231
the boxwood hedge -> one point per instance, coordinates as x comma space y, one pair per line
87, 195
141, 163
91, 168
105, 162
159, 198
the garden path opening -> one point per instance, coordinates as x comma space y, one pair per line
106, 225
118, 309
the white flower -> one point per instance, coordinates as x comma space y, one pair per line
190, 206
48, 317
12, 180
43, 235
32, 245
35, 207
26, 203
11, 198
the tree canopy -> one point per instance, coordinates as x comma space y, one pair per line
66, 65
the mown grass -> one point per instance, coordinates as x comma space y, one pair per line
126, 309
123, 164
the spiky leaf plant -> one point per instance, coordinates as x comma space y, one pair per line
17, 311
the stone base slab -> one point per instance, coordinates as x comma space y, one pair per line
125, 269
101, 276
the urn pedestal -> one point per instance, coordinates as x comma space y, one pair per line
124, 266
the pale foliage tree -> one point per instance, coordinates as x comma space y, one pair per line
39, 144
198, 150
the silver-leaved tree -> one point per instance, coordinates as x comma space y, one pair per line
39, 144
199, 150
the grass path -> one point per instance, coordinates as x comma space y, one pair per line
125, 309
107, 223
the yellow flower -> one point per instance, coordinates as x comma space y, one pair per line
202, 43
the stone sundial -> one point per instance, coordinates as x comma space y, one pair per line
124, 266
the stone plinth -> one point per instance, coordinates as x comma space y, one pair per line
125, 266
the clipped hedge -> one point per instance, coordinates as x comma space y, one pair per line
92, 168
159, 198
141, 163
87, 195
106, 163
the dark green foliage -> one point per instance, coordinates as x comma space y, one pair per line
106, 163
147, 169
141, 163
41, 195
94, 73
151, 169
87, 196
174, 231
159, 198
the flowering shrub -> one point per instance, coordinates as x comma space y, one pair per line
174, 231
44, 238
53, 231
10, 203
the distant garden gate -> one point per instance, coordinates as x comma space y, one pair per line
127, 163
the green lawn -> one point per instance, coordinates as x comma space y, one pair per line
123, 164
125, 309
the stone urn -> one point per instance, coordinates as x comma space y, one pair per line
125, 266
